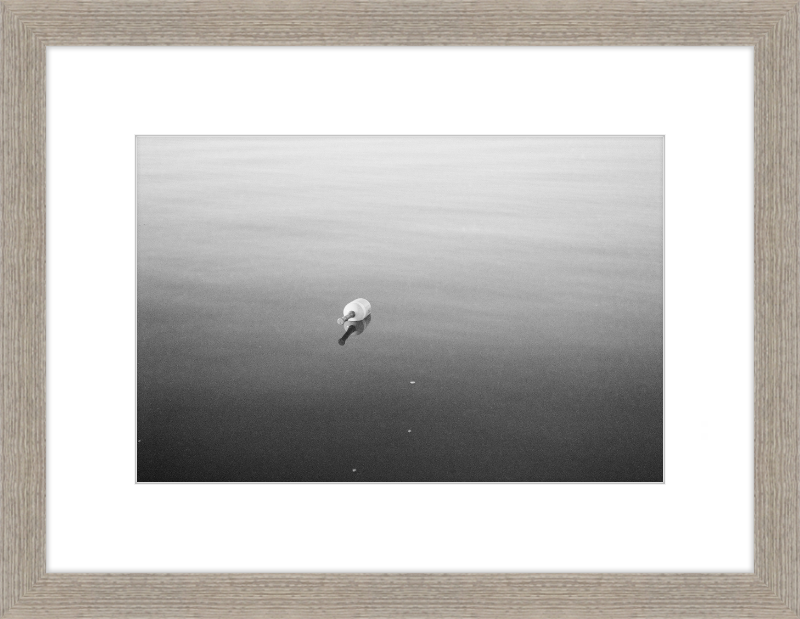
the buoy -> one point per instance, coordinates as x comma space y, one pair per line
355, 310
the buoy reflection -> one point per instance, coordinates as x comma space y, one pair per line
354, 327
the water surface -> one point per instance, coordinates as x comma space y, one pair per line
516, 286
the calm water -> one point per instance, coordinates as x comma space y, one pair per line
516, 287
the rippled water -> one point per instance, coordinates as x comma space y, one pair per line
516, 290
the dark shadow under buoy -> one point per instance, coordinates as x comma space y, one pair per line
354, 327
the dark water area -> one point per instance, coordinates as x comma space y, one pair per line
517, 305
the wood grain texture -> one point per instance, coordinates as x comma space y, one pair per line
439, 596
776, 310
22, 299
400, 22
28, 26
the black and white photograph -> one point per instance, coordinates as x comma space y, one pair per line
400, 308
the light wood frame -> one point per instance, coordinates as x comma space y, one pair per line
29, 26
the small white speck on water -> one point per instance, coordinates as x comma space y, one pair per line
354, 470
409, 430
412, 381
140, 440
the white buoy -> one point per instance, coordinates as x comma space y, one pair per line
355, 310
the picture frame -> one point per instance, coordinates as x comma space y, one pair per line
29, 26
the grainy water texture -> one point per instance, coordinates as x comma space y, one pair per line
517, 304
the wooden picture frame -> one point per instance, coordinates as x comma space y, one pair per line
29, 26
